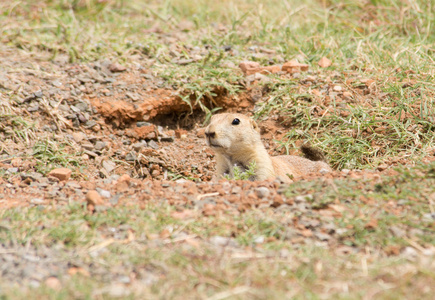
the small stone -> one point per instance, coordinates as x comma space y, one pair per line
94, 198
180, 133
108, 165
246, 65
153, 145
53, 283
139, 145
78, 136
410, 253
166, 138
114, 200
116, 67
36, 201
132, 96
345, 171
33, 108
324, 171
62, 174
87, 146
38, 94
100, 145
104, 193
56, 83
81, 106
259, 240
142, 124
12, 170
131, 156
337, 88
262, 192
90, 124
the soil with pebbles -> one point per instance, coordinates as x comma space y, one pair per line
102, 113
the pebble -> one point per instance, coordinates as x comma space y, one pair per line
104, 193
153, 145
131, 156
62, 174
259, 240
143, 124
12, 170
262, 192
100, 145
108, 165
38, 94
139, 145
78, 136
94, 198
36, 201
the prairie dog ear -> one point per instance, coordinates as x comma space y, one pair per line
255, 126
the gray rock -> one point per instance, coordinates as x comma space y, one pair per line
114, 200
153, 145
90, 124
104, 193
100, 145
56, 83
12, 170
38, 94
139, 145
131, 156
262, 192
166, 138
260, 239
142, 124
33, 108
108, 165
82, 106
34, 176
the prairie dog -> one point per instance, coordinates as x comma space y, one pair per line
236, 141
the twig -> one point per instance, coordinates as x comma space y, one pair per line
207, 195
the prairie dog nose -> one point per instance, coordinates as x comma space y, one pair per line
210, 134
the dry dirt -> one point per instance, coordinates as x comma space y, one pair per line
118, 121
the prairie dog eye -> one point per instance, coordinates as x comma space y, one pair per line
236, 122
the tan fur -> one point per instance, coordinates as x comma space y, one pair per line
241, 144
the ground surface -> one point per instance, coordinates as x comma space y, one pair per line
118, 95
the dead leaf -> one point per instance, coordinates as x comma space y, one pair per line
324, 62
372, 224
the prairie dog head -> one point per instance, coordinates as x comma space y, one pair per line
231, 134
